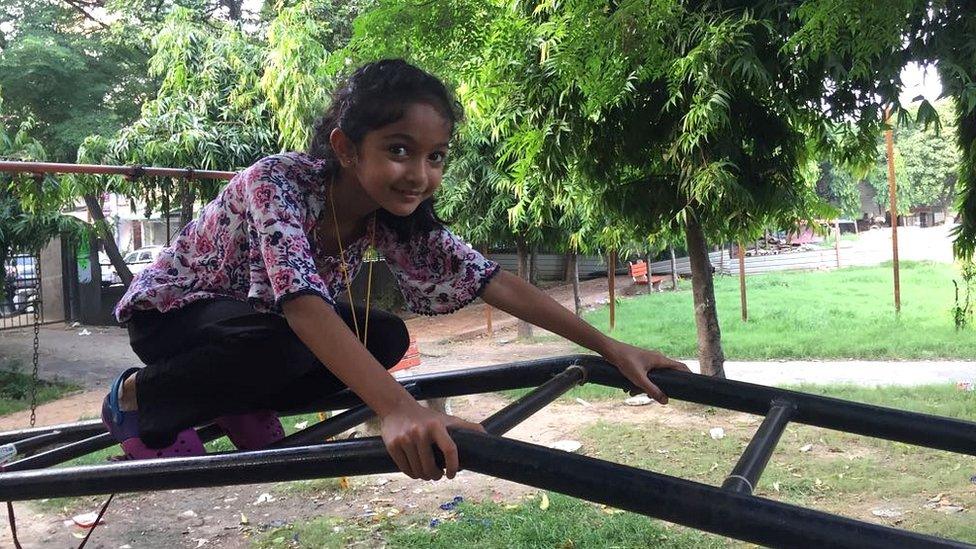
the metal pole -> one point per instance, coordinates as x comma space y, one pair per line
129, 171
753, 461
893, 198
327, 429
508, 417
745, 517
78, 429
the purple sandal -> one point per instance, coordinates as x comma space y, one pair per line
253, 430
124, 428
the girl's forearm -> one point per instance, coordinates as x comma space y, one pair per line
523, 300
317, 324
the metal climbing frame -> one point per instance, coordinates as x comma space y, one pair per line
730, 510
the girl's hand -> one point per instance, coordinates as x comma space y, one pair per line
410, 431
634, 363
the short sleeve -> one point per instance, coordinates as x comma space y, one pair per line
438, 273
276, 212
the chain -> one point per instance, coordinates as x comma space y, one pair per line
37, 331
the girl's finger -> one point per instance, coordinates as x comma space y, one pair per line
449, 449
651, 389
400, 459
428, 464
416, 469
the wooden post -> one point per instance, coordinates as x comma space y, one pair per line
837, 244
611, 278
893, 199
674, 271
742, 282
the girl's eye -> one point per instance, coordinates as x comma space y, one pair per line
398, 150
438, 157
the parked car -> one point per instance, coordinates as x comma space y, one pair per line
21, 282
137, 261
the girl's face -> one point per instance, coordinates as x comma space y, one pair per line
401, 164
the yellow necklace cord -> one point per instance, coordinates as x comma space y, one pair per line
345, 268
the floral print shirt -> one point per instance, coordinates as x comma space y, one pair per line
255, 242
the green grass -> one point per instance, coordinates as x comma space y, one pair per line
15, 388
567, 523
839, 314
841, 473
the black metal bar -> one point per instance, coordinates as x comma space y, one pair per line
864, 419
345, 458
28, 444
77, 430
508, 417
84, 447
700, 506
693, 504
753, 461
328, 428
853, 417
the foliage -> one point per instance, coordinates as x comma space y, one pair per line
70, 76
962, 309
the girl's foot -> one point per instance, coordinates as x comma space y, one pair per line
124, 428
252, 431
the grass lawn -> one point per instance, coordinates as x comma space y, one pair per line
835, 472
841, 314
15, 389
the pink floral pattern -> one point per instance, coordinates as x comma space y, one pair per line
254, 242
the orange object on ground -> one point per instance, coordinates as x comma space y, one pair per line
638, 271
410, 359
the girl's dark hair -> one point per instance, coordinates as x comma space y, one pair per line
373, 96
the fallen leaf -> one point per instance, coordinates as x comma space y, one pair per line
544, 504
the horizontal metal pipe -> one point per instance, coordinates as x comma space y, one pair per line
508, 417
753, 460
86, 446
676, 500
99, 169
327, 429
741, 516
853, 417
79, 429
38, 441
346, 458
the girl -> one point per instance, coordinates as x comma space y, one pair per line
237, 318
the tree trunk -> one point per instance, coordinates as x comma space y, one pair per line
490, 330
524, 328
577, 303
568, 262
534, 266
674, 271
111, 247
187, 197
742, 283
710, 354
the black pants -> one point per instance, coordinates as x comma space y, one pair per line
220, 356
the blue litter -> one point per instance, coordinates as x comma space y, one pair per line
449, 506
434, 523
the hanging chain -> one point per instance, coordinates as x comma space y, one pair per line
34, 381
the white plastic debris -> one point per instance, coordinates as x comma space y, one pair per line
264, 498
886, 513
301, 425
84, 332
717, 433
583, 402
639, 400
571, 446
806, 448
86, 520
189, 513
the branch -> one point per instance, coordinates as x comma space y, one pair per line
77, 7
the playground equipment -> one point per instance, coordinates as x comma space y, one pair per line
730, 510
